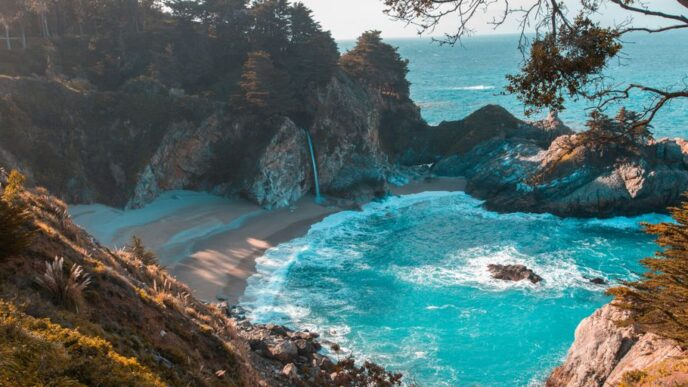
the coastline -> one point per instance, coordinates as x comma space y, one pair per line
212, 243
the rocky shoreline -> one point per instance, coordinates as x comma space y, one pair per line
289, 358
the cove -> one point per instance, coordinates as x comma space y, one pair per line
404, 282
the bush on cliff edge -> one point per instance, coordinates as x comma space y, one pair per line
658, 300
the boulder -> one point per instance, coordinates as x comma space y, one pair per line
513, 273
285, 351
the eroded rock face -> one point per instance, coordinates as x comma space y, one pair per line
124, 148
518, 174
603, 352
284, 169
513, 273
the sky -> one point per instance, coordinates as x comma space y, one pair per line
348, 18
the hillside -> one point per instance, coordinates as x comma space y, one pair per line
117, 111
133, 324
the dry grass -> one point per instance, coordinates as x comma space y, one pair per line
66, 290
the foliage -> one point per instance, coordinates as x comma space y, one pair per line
15, 184
16, 229
65, 290
658, 300
265, 90
563, 64
570, 49
377, 64
36, 352
141, 253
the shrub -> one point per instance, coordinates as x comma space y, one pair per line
65, 290
37, 352
15, 184
658, 300
16, 229
140, 252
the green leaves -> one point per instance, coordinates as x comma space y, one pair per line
564, 64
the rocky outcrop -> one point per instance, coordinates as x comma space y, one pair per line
513, 273
125, 147
603, 352
284, 169
530, 172
290, 358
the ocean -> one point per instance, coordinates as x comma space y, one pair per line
449, 83
405, 283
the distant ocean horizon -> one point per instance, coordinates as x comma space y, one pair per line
450, 82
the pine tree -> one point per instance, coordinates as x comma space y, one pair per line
312, 57
270, 32
377, 64
265, 90
658, 300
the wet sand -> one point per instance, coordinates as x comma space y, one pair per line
212, 243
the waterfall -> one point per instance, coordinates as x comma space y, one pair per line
315, 167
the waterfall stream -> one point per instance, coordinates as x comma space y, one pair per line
318, 198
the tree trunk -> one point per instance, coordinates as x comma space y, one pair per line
44, 20
7, 36
683, 3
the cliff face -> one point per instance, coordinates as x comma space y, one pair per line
605, 354
534, 168
124, 149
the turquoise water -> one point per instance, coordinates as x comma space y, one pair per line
451, 82
404, 282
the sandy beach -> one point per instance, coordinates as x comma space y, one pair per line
211, 243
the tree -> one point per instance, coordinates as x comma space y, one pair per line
41, 8
270, 31
658, 300
312, 56
377, 64
265, 90
568, 55
186, 10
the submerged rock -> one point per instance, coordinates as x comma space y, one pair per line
598, 281
513, 273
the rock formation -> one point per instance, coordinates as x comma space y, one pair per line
604, 352
528, 168
513, 273
120, 148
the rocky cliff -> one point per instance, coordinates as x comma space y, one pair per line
543, 167
606, 354
123, 148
